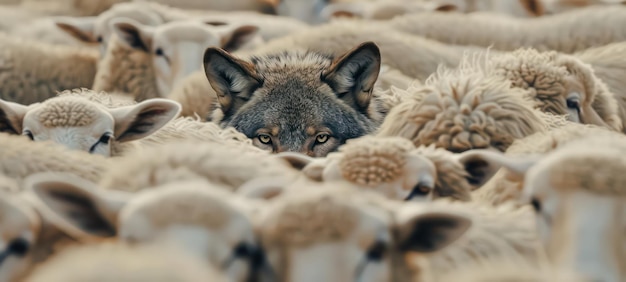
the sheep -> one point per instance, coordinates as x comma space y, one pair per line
466, 108
578, 196
20, 158
87, 8
27, 237
609, 65
176, 48
560, 84
393, 167
416, 57
33, 71
504, 186
123, 262
381, 10
343, 234
90, 121
549, 33
270, 26
201, 218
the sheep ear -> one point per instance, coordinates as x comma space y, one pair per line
353, 75
140, 120
232, 79
75, 205
431, 231
12, 117
82, 28
233, 37
482, 165
133, 34
533, 7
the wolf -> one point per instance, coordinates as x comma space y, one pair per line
297, 101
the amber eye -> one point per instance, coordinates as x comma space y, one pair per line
322, 138
265, 139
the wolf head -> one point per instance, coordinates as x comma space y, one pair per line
295, 101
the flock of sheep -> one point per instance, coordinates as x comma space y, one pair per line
312, 140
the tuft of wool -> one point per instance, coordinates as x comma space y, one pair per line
451, 175
67, 112
370, 161
462, 109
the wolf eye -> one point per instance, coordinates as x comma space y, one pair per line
322, 138
29, 134
265, 139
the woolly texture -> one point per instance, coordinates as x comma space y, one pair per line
550, 77
506, 187
67, 112
117, 262
510, 272
462, 109
33, 72
22, 157
222, 164
564, 32
451, 175
414, 56
609, 64
126, 71
109, 100
196, 96
186, 128
505, 234
371, 161
192, 203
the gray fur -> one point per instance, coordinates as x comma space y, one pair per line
290, 92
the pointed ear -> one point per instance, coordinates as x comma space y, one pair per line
81, 28
133, 34
430, 231
233, 37
233, 79
12, 117
75, 205
140, 120
481, 165
354, 74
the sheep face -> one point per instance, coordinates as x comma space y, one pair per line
578, 194
84, 125
176, 48
326, 235
19, 227
203, 219
561, 85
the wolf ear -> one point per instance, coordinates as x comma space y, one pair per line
81, 28
232, 79
140, 120
11, 117
353, 75
75, 205
133, 34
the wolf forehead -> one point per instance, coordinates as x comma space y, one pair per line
304, 65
